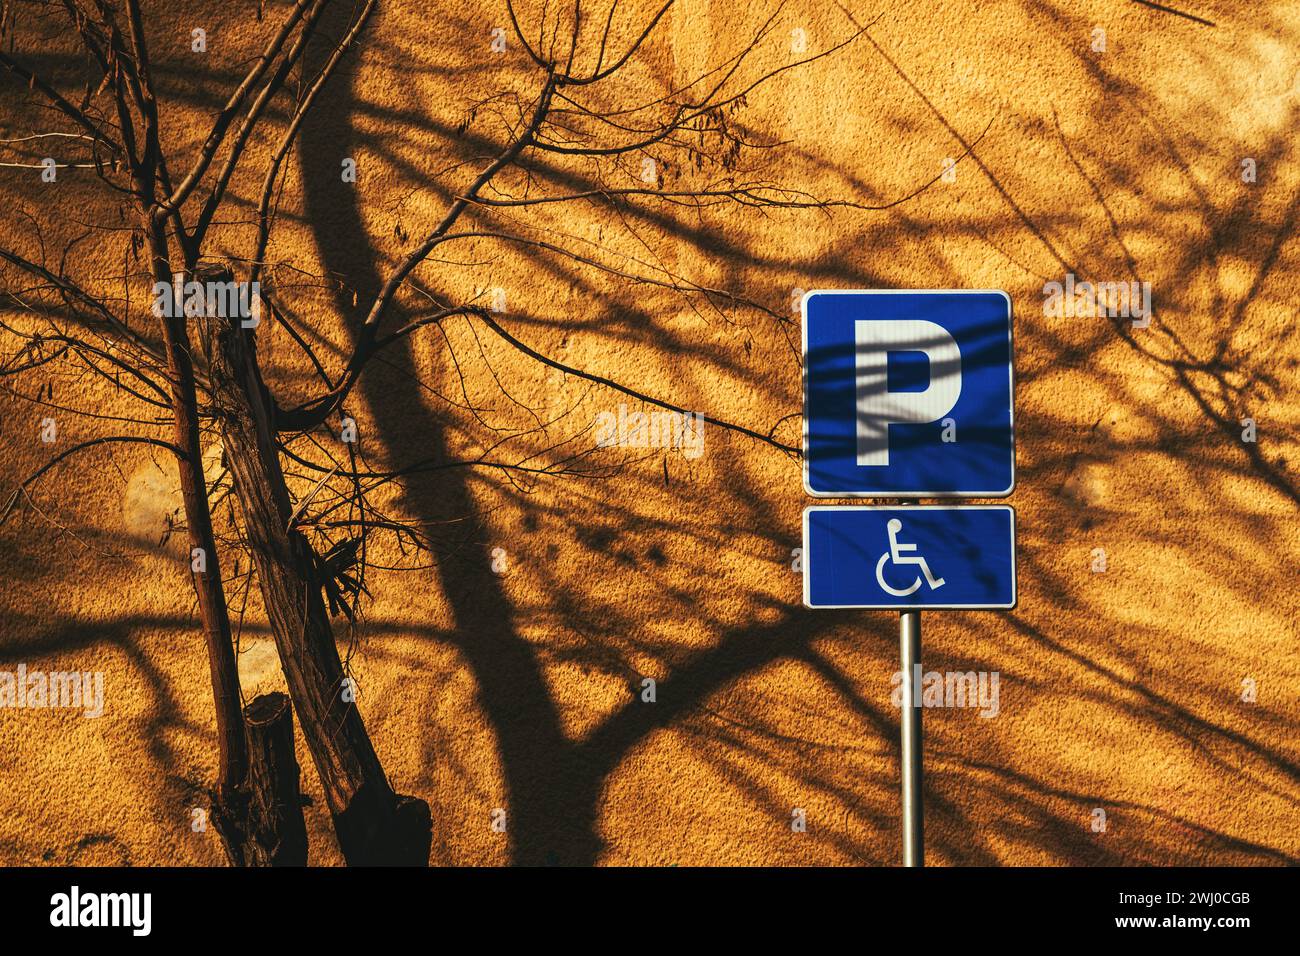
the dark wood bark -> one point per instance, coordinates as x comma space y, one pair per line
270, 830
373, 824
222, 668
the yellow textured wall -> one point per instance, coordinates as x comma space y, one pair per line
1120, 690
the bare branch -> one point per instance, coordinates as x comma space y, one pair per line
75, 296
250, 120
21, 490
227, 114
59, 102
286, 143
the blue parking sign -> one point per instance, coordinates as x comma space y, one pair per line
909, 558
908, 394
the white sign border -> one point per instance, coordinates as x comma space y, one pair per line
877, 493
807, 561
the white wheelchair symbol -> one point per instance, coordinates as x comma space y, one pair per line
895, 555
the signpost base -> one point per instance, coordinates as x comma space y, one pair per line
909, 647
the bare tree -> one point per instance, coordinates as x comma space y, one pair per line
306, 514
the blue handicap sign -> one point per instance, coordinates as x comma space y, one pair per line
955, 557
908, 394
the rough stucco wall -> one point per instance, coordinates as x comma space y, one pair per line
1119, 690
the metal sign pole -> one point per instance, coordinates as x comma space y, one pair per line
909, 647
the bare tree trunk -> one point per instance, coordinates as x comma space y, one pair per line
222, 668
272, 831
374, 825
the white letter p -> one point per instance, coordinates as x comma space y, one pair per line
877, 407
